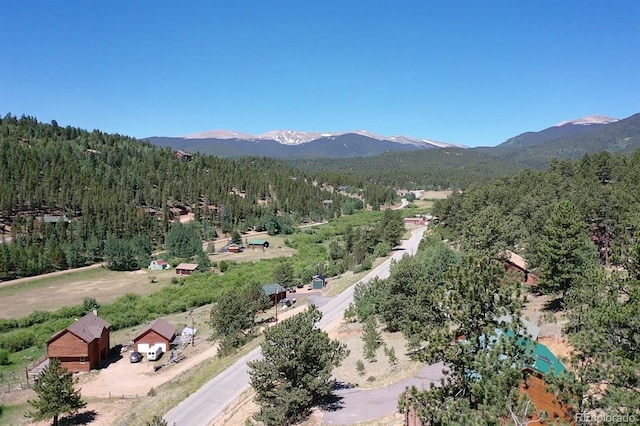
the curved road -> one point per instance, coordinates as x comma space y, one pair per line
202, 407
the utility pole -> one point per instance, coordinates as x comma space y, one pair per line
193, 329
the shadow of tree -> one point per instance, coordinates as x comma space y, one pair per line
83, 418
554, 305
332, 403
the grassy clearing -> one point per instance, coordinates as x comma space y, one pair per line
50, 293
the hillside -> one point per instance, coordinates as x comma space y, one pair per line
66, 195
431, 169
536, 149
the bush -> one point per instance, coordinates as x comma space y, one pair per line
222, 266
4, 357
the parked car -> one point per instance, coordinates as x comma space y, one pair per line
135, 356
154, 353
286, 302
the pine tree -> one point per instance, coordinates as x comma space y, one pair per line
371, 338
563, 251
56, 394
295, 372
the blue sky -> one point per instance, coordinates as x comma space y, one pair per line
470, 72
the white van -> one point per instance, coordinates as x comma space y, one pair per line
154, 353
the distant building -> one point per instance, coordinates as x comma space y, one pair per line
258, 243
414, 221
159, 264
183, 155
186, 268
516, 263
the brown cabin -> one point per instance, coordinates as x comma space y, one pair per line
158, 333
82, 346
186, 268
518, 265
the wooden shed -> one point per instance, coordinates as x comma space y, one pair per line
318, 282
186, 268
82, 346
263, 244
158, 333
275, 292
234, 248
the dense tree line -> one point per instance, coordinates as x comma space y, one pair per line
576, 223
112, 188
445, 168
574, 211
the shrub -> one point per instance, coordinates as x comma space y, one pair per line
4, 357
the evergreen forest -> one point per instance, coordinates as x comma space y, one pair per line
68, 196
576, 224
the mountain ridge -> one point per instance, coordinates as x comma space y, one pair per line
296, 137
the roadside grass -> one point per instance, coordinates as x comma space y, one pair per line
14, 414
339, 284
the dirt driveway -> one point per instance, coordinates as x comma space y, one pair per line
124, 378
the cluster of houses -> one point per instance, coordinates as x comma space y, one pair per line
85, 344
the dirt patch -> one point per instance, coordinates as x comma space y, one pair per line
434, 195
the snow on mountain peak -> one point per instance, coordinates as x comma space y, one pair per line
219, 134
588, 120
294, 137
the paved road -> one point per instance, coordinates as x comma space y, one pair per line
202, 407
359, 405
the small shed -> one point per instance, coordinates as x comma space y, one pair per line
186, 268
275, 292
263, 244
418, 221
318, 282
159, 264
158, 333
234, 248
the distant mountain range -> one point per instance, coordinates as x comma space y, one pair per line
296, 144
570, 139
567, 139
